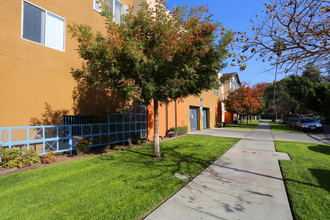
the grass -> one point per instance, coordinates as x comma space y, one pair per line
252, 124
281, 128
121, 185
307, 178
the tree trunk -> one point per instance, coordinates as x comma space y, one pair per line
156, 130
240, 117
247, 119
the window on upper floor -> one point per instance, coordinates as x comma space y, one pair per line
116, 7
216, 92
43, 27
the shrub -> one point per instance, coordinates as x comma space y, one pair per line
82, 144
28, 158
12, 157
50, 157
137, 139
179, 130
9, 157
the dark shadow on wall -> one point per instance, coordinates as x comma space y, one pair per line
89, 100
49, 117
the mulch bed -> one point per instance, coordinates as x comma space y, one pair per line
66, 157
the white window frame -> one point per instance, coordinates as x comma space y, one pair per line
94, 6
46, 12
124, 8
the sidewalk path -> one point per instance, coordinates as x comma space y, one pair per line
245, 183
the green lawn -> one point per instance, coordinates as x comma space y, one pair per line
307, 178
122, 185
250, 126
281, 128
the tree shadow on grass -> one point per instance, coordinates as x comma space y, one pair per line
323, 177
175, 159
321, 149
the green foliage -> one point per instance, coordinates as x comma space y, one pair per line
50, 157
318, 99
179, 130
153, 55
313, 73
83, 144
12, 157
124, 185
137, 139
299, 94
9, 157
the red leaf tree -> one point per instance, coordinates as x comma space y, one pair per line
244, 101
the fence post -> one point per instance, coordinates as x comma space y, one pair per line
70, 139
44, 140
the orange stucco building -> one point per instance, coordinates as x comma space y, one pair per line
37, 54
195, 112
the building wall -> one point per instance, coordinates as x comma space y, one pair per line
167, 118
32, 74
209, 101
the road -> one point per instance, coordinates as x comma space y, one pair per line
322, 136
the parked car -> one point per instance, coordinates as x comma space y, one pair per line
309, 124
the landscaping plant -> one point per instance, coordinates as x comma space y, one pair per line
13, 157
82, 145
50, 157
154, 56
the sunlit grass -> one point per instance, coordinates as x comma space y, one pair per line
122, 185
281, 128
250, 125
307, 178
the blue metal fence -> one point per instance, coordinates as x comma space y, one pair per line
59, 138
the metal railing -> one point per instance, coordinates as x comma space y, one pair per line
59, 138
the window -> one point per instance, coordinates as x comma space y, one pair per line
43, 27
118, 11
216, 92
116, 7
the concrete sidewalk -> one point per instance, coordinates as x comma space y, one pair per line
245, 183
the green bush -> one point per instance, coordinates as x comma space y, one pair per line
179, 130
50, 157
12, 157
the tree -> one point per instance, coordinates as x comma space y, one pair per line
284, 103
313, 73
244, 101
301, 25
318, 99
154, 55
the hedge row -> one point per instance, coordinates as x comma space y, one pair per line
179, 130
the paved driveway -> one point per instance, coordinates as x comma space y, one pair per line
322, 136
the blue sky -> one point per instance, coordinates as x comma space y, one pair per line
235, 15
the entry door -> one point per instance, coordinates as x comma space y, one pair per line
204, 118
193, 118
